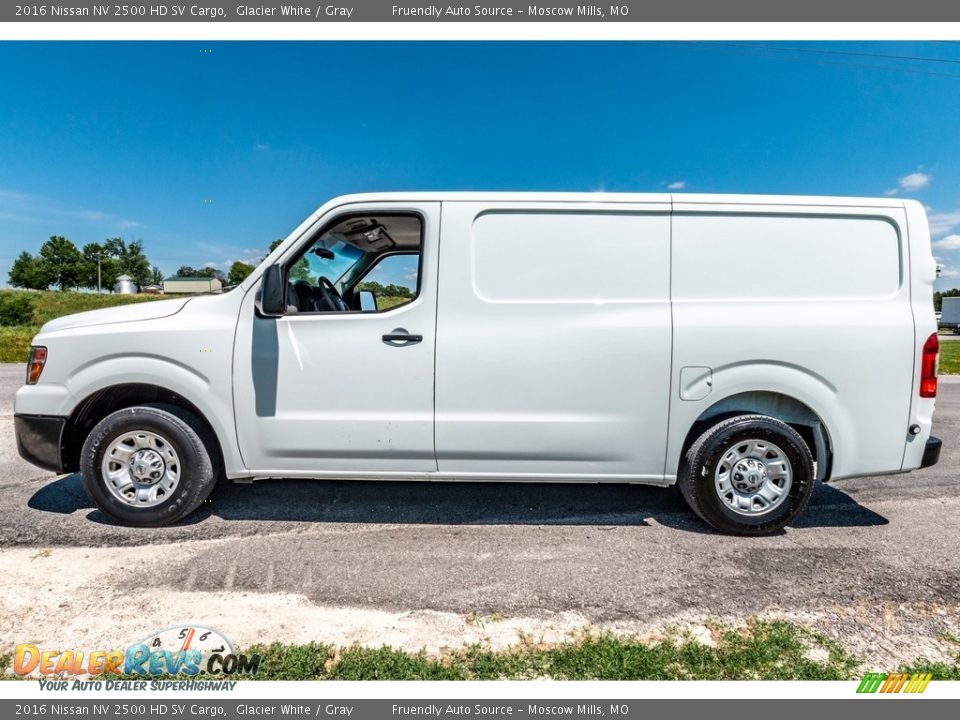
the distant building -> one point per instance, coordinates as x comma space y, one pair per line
125, 286
192, 285
152, 289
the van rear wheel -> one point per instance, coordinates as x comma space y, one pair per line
148, 466
748, 475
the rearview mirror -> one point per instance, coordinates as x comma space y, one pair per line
273, 292
368, 301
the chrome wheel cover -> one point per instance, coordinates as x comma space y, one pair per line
141, 468
753, 477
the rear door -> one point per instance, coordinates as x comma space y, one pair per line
553, 340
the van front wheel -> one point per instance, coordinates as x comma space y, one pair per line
147, 466
748, 475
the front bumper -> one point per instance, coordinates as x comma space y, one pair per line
931, 453
40, 440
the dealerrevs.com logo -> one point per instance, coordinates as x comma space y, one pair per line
190, 650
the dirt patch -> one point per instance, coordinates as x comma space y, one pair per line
67, 597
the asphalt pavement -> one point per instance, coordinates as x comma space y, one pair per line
604, 551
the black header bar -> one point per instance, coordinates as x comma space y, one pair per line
498, 11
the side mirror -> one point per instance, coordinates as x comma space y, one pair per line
368, 301
273, 292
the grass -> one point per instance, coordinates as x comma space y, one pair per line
15, 343
950, 357
761, 650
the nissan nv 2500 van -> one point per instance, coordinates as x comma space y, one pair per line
743, 347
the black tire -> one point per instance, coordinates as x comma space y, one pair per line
697, 474
186, 435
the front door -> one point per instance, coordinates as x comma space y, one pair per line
328, 388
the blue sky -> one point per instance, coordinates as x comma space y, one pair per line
209, 151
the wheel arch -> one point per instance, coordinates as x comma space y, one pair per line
794, 412
104, 401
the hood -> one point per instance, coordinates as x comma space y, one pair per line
122, 313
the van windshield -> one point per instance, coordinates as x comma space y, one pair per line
314, 265
345, 257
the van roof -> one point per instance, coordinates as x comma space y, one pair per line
607, 197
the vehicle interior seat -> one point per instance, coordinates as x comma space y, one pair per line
304, 296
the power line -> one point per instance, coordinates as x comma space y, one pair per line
759, 49
848, 53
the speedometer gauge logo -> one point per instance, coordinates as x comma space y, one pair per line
184, 638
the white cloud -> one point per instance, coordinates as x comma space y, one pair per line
677, 185
942, 223
41, 209
12, 195
950, 242
914, 181
231, 253
891, 191
20, 218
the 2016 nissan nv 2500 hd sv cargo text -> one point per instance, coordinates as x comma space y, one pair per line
744, 347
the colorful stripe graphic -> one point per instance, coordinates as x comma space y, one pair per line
894, 683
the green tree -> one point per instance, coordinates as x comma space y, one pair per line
300, 270
135, 264
207, 271
130, 259
156, 277
392, 290
211, 271
109, 271
63, 262
373, 286
238, 272
28, 272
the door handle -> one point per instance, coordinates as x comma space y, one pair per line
401, 338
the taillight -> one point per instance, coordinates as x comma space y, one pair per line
38, 358
928, 367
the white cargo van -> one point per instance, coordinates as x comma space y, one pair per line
743, 347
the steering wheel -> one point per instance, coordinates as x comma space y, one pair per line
331, 298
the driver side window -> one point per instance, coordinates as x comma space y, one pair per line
354, 256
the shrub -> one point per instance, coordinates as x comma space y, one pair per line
15, 309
